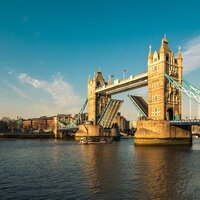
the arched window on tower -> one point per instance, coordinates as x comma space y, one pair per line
98, 83
171, 96
167, 57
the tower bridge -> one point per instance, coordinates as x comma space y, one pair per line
165, 87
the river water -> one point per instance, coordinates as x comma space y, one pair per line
60, 169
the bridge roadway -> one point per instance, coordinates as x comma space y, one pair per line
132, 82
140, 104
106, 119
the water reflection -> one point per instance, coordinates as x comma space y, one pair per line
47, 169
123, 171
163, 172
101, 168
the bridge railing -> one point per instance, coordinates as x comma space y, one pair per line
185, 122
188, 90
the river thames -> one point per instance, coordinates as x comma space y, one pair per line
60, 169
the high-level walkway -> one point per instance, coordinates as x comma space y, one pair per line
132, 82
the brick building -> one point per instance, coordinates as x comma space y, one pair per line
42, 124
122, 122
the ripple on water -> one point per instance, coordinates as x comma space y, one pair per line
57, 169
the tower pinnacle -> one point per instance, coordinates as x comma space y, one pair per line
150, 52
164, 40
99, 70
164, 45
179, 52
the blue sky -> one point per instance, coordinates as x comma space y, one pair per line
48, 48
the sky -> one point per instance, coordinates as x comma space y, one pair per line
49, 48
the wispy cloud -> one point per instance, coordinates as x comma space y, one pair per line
61, 91
2, 89
191, 54
17, 91
141, 92
9, 70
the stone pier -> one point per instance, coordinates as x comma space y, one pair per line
159, 132
95, 131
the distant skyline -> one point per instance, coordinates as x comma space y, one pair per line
49, 48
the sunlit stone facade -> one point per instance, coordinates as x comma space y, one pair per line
96, 102
164, 101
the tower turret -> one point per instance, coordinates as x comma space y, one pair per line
96, 102
164, 101
164, 49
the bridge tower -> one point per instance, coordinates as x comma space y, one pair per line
164, 101
96, 102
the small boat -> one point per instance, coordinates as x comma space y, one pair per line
102, 141
83, 140
86, 140
109, 140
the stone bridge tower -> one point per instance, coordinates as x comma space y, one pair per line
96, 102
164, 100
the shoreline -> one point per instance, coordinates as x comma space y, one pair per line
26, 136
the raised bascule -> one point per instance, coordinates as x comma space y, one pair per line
162, 121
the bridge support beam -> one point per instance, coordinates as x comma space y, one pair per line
157, 132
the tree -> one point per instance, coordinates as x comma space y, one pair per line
6, 119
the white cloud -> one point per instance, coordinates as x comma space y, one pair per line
61, 91
34, 82
191, 55
17, 91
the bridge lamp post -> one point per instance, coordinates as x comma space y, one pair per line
124, 71
111, 78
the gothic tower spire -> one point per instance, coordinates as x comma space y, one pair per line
150, 56
179, 53
164, 101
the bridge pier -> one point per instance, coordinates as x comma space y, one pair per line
160, 132
94, 132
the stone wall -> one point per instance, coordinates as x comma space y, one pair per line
160, 132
